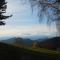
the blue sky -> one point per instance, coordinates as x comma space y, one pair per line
23, 21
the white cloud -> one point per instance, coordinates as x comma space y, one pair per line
33, 30
16, 6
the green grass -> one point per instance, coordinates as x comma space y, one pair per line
40, 50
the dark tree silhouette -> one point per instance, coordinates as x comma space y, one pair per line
48, 8
3, 7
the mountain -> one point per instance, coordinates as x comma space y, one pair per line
24, 41
5, 37
51, 43
18, 40
9, 41
28, 41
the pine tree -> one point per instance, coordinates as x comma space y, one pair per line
3, 7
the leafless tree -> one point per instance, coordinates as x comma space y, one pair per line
49, 8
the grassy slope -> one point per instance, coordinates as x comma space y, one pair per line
40, 50
16, 52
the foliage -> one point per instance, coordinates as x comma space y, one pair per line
3, 7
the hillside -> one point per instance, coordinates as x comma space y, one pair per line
15, 52
51, 43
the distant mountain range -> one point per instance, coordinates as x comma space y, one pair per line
5, 37
49, 43
18, 40
28, 40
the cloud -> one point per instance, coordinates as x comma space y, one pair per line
34, 29
16, 6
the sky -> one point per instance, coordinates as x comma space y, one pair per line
23, 21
